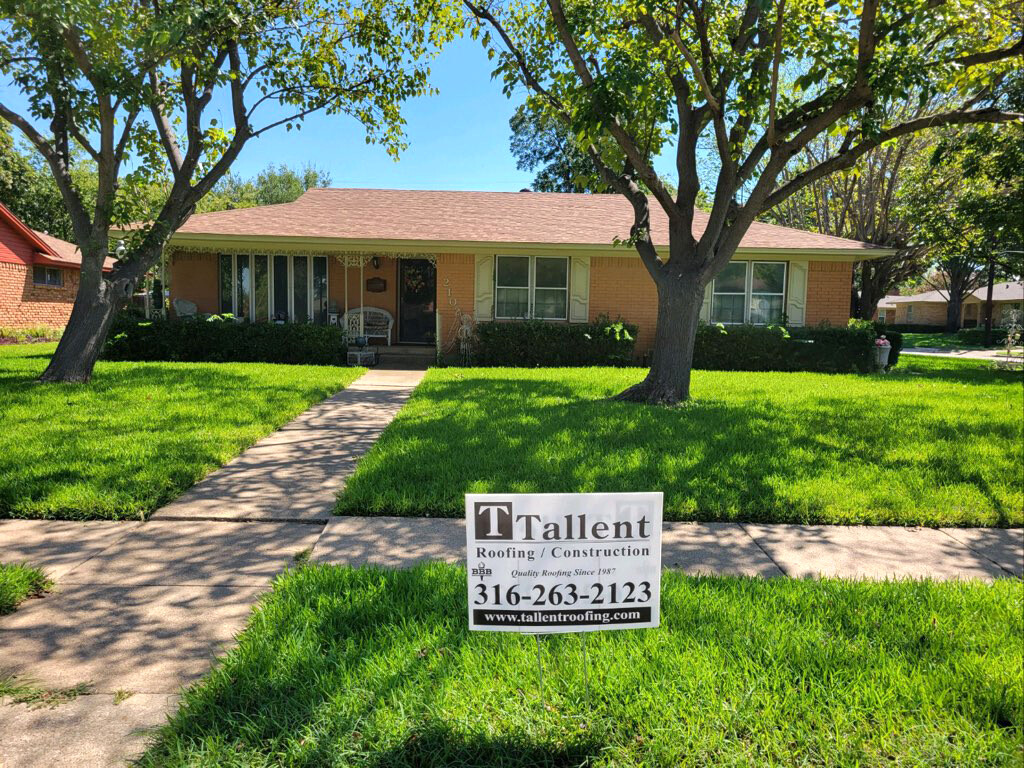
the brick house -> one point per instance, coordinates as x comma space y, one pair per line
929, 308
38, 275
436, 262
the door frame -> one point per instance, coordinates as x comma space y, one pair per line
398, 301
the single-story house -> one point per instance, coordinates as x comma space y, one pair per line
929, 308
38, 275
437, 262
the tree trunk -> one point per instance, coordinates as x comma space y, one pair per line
96, 304
668, 381
953, 312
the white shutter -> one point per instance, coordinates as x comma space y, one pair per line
579, 288
705, 306
796, 299
483, 295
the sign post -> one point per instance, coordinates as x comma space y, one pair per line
576, 562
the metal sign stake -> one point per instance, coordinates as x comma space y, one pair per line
586, 676
540, 675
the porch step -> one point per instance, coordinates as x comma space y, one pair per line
413, 357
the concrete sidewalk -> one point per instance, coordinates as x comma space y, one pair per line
995, 355
801, 551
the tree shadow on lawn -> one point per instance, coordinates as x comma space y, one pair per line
134, 438
819, 458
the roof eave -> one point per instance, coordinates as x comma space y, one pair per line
292, 242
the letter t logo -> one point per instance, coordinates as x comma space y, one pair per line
493, 519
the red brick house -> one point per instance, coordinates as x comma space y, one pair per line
38, 275
435, 261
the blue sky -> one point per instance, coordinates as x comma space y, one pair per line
457, 139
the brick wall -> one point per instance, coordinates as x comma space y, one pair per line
25, 305
828, 292
620, 287
923, 314
193, 276
455, 294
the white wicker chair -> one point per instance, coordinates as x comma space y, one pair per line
377, 323
185, 308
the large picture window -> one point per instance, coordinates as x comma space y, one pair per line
531, 287
280, 288
749, 292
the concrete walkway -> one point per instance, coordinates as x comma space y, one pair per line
295, 473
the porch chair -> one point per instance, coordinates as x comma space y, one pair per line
377, 323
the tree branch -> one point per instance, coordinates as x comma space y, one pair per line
845, 158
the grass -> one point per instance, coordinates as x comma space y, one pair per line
18, 691
376, 668
30, 335
941, 340
140, 433
938, 442
18, 583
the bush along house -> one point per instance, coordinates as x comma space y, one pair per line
419, 269
38, 276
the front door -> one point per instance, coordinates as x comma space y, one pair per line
417, 294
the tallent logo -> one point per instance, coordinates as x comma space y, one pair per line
492, 520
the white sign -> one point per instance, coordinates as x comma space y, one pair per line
563, 562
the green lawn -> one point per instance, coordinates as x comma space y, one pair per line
939, 339
936, 442
19, 582
140, 433
342, 667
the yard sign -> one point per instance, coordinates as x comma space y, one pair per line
543, 563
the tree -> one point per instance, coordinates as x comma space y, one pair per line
131, 83
541, 142
274, 184
863, 203
710, 68
967, 207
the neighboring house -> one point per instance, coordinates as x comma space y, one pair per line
438, 261
929, 308
38, 275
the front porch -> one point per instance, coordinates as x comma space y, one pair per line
387, 299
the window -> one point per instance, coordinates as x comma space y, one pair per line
767, 292
531, 286
729, 293
261, 287
910, 313
280, 310
881, 315
749, 292
47, 276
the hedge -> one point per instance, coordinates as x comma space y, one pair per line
532, 343
225, 341
821, 349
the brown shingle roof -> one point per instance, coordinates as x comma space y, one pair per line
470, 217
63, 252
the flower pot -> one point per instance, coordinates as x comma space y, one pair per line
882, 357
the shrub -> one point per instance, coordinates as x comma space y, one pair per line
821, 349
532, 343
215, 340
976, 336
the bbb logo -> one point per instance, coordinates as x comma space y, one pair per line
492, 520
